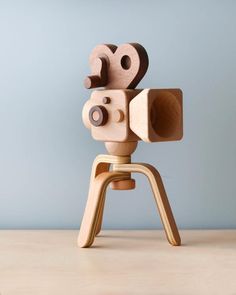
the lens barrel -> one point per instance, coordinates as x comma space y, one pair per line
98, 115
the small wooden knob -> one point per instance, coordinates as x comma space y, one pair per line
92, 82
98, 115
118, 116
106, 100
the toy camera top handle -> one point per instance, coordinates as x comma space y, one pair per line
115, 67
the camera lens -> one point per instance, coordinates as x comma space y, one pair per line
98, 115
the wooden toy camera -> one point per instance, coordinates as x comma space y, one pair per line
121, 115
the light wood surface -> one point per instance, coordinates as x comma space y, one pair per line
122, 262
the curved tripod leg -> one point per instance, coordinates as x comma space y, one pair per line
102, 164
95, 200
162, 202
99, 167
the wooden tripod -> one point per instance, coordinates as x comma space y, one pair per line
120, 177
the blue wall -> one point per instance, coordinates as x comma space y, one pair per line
45, 151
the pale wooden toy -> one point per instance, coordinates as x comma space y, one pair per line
120, 115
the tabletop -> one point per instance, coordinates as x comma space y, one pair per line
120, 262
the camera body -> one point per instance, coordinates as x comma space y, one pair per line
114, 115
127, 115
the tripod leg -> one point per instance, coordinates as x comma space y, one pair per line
102, 164
162, 202
95, 200
99, 166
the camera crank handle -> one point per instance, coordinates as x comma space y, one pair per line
99, 77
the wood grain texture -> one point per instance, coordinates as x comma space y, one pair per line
123, 262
